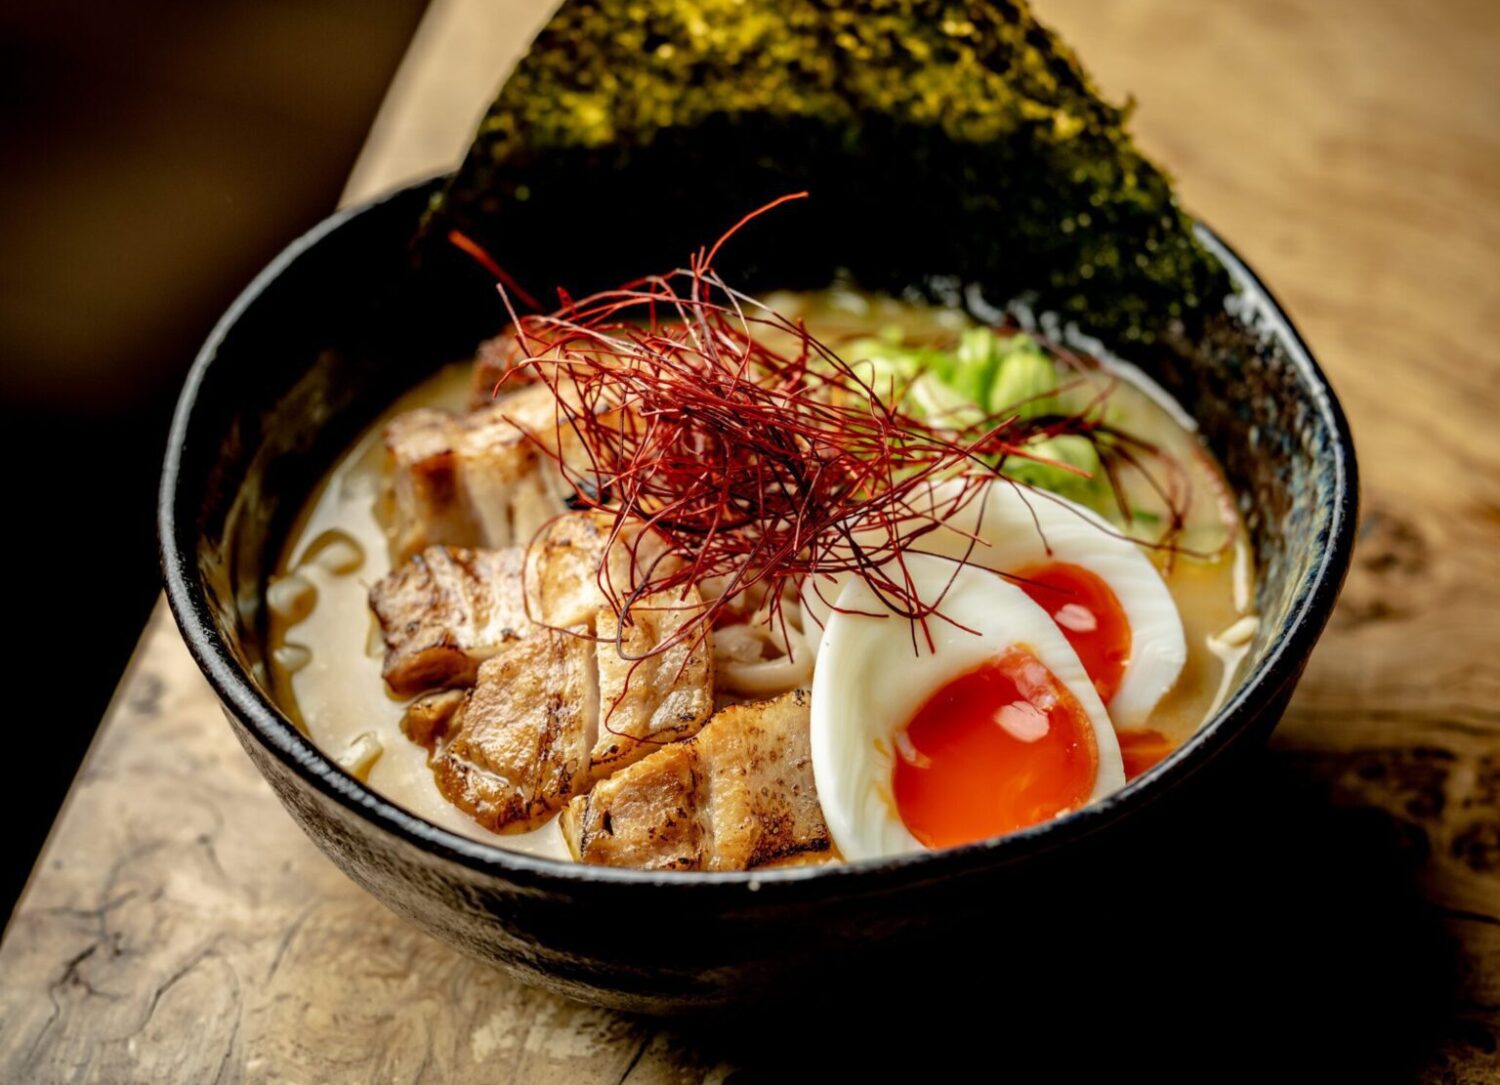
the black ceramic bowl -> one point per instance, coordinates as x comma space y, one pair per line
340, 323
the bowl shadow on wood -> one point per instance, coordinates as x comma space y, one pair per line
1280, 932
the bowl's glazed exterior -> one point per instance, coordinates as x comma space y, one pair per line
341, 323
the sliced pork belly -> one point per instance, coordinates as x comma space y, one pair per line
517, 749
649, 698
479, 479
422, 498
454, 617
528, 737
445, 611
494, 362
739, 794
563, 567
427, 718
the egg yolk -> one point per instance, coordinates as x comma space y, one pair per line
995, 750
1089, 615
1142, 749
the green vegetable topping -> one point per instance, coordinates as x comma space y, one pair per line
972, 374
1025, 381
1067, 449
988, 375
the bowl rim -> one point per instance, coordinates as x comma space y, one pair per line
273, 731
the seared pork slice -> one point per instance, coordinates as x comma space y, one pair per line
564, 563
739, 794
646, 697
494, 362
518, 747
483, 479
422, 497
511, 485
426, 719
445, 611
563, 569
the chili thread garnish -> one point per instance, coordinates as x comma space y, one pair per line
726, 443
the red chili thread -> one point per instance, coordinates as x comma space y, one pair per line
748, 451
475, 251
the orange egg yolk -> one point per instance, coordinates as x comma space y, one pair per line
1089, 615
1142, 749
995, 750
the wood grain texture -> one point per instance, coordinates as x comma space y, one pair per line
178, 927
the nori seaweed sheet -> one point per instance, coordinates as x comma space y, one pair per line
952, 140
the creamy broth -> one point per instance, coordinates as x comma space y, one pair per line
326, 648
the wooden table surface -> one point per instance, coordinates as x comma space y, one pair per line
179, 928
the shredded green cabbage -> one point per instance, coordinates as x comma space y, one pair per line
986, 374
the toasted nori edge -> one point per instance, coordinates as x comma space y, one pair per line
950, 140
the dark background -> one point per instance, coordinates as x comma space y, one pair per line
153, 156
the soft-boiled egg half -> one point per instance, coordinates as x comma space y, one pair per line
981, 722
1101, 589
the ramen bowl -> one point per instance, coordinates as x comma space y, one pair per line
344, 321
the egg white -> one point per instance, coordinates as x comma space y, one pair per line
1006, 527
873, 675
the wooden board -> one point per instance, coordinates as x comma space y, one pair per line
179, 928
